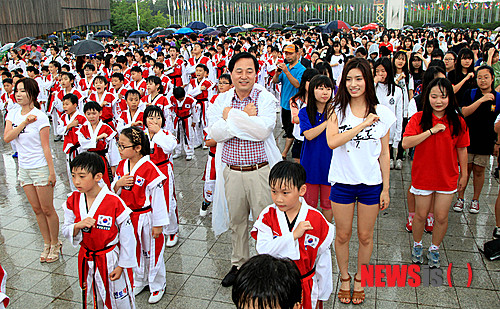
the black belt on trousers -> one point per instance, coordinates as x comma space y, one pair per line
308, 273
211, 154
141, 209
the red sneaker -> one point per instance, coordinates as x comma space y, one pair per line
429, 224
409, 222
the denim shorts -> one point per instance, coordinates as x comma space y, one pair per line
348, 194
38, 177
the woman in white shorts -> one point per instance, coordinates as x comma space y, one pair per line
29, 128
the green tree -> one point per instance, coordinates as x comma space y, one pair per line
123, 16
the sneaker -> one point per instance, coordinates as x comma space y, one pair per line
409, 222
417, 256
474, 207
429, 224
399, 164
177, 155
392, 164
459, 205
204, 207
172, 240
156, 296
433, 259
138, 290
230, 277
205, 146
189, 158
496, 232
15, 155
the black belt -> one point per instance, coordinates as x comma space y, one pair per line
142, 209
161, 163
102, 153
185, 117
211, 154
107, 120
308, 273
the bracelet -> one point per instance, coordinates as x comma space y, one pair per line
431, 132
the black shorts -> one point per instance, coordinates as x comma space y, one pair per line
286, 120
296, 149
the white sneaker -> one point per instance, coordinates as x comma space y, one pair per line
189, 158
156, 296
172, 240
399, 164
392, 164
205, 146
138, 290
177, 155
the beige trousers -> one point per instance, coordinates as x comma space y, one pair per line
245, 191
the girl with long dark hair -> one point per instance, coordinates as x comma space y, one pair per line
439, 129
358, 132
462, 77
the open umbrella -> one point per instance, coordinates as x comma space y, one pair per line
184, 30
39, 42
197, 25
154, 30
337, 25
23, 41
222, 28
248, 26
6, 47
103, 34
164, 32
86, 47
234, 30
314, 20
52, 37
371, 26
259, 30
275, 26
288, 29
212, 33
301, 27
175, 26
138, 34
75, 37
208, 30
290, 23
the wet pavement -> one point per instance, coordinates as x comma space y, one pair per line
196, 265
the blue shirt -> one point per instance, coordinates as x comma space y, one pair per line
287, 89
315, 156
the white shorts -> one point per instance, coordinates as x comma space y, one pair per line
429, 192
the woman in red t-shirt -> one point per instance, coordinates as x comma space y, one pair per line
440, 137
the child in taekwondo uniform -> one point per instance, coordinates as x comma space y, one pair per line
291, 228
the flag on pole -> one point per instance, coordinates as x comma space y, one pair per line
339, 8
352, 7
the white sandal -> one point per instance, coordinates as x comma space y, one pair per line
54, 252
45, 253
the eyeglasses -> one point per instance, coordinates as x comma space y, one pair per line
121, 147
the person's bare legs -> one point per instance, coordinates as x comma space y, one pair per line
461, 194
46, 198
497, 210
442, 203
288, 145
367, 216
422, 207
477, 180
343, 214
41, 219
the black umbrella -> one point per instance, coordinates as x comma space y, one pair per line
175, 26
301, 27
39, 42
315, 20
23, 41
276, 26
222, 28
288, 29
290, 23
86, 47
154, 30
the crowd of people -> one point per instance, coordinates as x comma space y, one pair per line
353, 105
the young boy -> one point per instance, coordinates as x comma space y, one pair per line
106, 99
119, 88
209, 176
96, 136
86, 84
69, 123
267, 282
159, 70
99, 221
200, 89
137, 82
132, 116
291, 228
183, 107
175, 66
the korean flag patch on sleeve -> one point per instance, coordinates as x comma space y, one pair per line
311, 241
139, 181
104, 222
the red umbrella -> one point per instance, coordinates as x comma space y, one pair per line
259, 30
337, 25
372, 26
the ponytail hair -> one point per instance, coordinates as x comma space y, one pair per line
137, 138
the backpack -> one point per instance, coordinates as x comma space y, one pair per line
497, 98
492, 249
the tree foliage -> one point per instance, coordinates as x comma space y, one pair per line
123, 16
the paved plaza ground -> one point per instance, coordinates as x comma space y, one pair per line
196, 265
